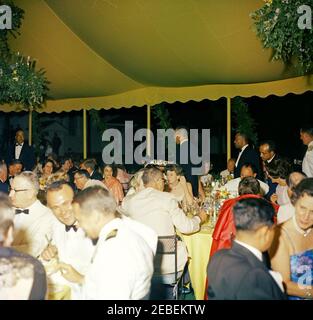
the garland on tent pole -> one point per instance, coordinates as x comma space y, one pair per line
285, 26
161, 113
243, 122
20, 83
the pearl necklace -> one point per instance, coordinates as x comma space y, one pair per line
304, 233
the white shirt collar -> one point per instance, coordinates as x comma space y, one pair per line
270, 160
310, 144
244, 147
253, 250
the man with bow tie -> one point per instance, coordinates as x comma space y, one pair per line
22, 151
69, 244
33, 221
306, 135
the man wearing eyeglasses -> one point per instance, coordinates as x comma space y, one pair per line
33, 221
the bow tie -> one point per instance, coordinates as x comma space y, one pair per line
68, 228
18, 211
18, 144
94, 241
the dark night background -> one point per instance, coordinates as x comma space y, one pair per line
277, 118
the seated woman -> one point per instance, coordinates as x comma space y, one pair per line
292, 250
110, 181
278, 171
47, 170
178, 186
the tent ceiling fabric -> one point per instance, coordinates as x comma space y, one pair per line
122, 53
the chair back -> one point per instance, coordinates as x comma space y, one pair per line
167, 245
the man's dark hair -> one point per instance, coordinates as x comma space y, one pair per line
251, 166
305, 187
308, 130
57, 185
244, 135
279, 168
96, 198
249, 185
252, 213
82, 172
15, 161
271, 145
90, 163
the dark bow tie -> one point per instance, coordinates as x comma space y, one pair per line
94, 241
18, 144
18, 211
68, 228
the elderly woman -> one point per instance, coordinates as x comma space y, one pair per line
292, 249
110, 181
178, 186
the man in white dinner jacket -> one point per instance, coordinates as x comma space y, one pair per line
160, 211
68, 242
33, 221
122, 264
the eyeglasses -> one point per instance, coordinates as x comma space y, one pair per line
18, 190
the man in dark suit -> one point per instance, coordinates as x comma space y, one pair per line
22, 151
240, 273
90, 165
246, 155
184, 151
268, 154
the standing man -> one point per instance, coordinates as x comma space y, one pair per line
246, 155
268, 154
22, 151
306, 135
181, 137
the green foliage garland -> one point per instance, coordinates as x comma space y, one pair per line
243, 121
161, 113
276, 25
20, 83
